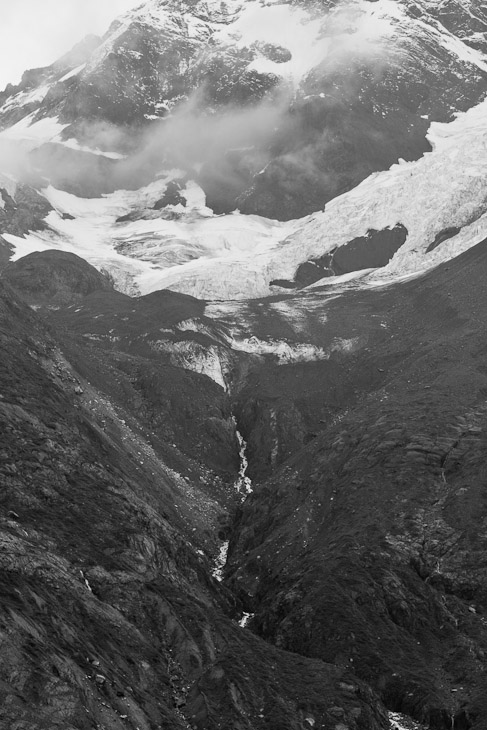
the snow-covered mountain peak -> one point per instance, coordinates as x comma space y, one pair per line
269, 112
193, 22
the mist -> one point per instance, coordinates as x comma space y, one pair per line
224, 147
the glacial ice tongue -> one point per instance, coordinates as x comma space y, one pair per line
237, 256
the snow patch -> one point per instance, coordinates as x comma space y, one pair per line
289, 352
75, 145
306, 36
73, 73
284, 352
33, 134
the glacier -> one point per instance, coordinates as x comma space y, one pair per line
235, 256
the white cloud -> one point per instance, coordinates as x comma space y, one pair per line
34, 33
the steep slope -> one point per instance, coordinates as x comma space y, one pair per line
22, 209
363, 541
25, 98
366, 544
110, 616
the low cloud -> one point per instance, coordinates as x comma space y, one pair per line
223, 147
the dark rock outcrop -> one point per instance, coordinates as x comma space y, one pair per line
6, 250
442, 236
54, 278
172, 195
371, 251
24, 212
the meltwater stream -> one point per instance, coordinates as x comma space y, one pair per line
243, 486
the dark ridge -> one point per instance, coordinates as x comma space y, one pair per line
371, 251
176, 306
314, 270
54, 278
131, 317
6, 250
283, 283
172, 195
443, 236
30, 78
401, 426
25, 212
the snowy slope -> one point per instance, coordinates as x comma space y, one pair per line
145, 255
445, 189
236, 256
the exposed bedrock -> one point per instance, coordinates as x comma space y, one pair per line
350, 123
365, 547
172, 195
6, 251
371, 251
282, 408
443, 236
22, 210
111, 615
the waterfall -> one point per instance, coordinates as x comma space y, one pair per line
402, 722
246, 617
220, 562
243, 485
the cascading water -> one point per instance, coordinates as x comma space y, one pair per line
402, 722
243, 486
220, 562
